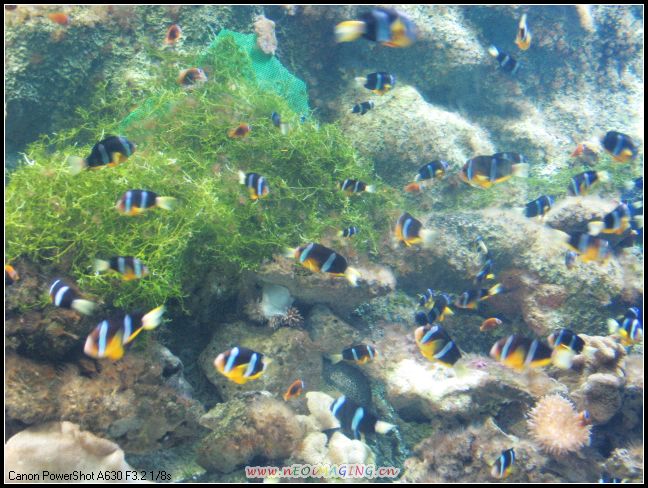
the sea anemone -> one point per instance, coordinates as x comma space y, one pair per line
554, 424
292, 318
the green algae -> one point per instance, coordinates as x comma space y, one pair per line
183, 151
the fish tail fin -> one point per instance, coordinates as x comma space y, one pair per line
340, 233
493, 51
521, 170
77, 164
349, 30
152, 319
595, 228
167, 203
101, 265
241, 176
613, 326
427, 236
562, 358
448, 311
360, 81
352, 275
86, 307
335, 358
284, 128
638, 220
289, 252
604, 176
370, 189
382, 427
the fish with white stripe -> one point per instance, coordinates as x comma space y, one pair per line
129, 267
241, 365
359, 354
108, 339
318, 258
256, 184
356, 420
134, 202
64, 296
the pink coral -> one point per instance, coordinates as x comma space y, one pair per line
554, 424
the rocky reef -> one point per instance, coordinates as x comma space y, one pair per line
218, 260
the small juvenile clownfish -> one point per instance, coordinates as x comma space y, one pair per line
490, 324
348, 232
386, 26
630, 329
294, 390
523, 38
566, 344
585, 418
108, 339
413, 187
581, 183
356, 186
470, 299
432, 170
410, 231
318, 258
11, 275
134, 202
62, 295
505, 61
379, 83
585, 153
620, 146
255, 183
362, 108
503, 465
129, 267
618, 220
539, 207
607, 478
191, 77
486, 171
485, 273
519, 352
356, 420
436, 345
173, 35
111, 151
239, 132
359, 354
241, 365
589, 248
59, 18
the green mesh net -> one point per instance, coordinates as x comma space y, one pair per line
269, 74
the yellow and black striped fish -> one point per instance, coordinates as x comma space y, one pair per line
581, 183
134, 202
318, 258
436, 345
519, 352
410, 231
129, 267
64, 296
255, 183
241, 365
486, 171
359, 354
503, 465
108, 339
384, 25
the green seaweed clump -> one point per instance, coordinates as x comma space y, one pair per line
65, 221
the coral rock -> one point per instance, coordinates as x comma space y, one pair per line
61, 448
265, 31
242, 430
602, 396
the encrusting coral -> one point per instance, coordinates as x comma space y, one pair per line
555, 425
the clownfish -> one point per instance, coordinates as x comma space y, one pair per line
410, 231
129, 267
486, 171
239, 132
241, 365
359, 354
630, 327
11, 275
379, 83
134, 202
523, 38
503, 465
618, 220
620, 146
191, 77
386, 26
356, 420
108, 339
318, 258
506, 62
294, 390
64, 296
539, 207
111, 151
581, 183
362, 108
519, 352
256, 184
356, 186
436, 345
173, 35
